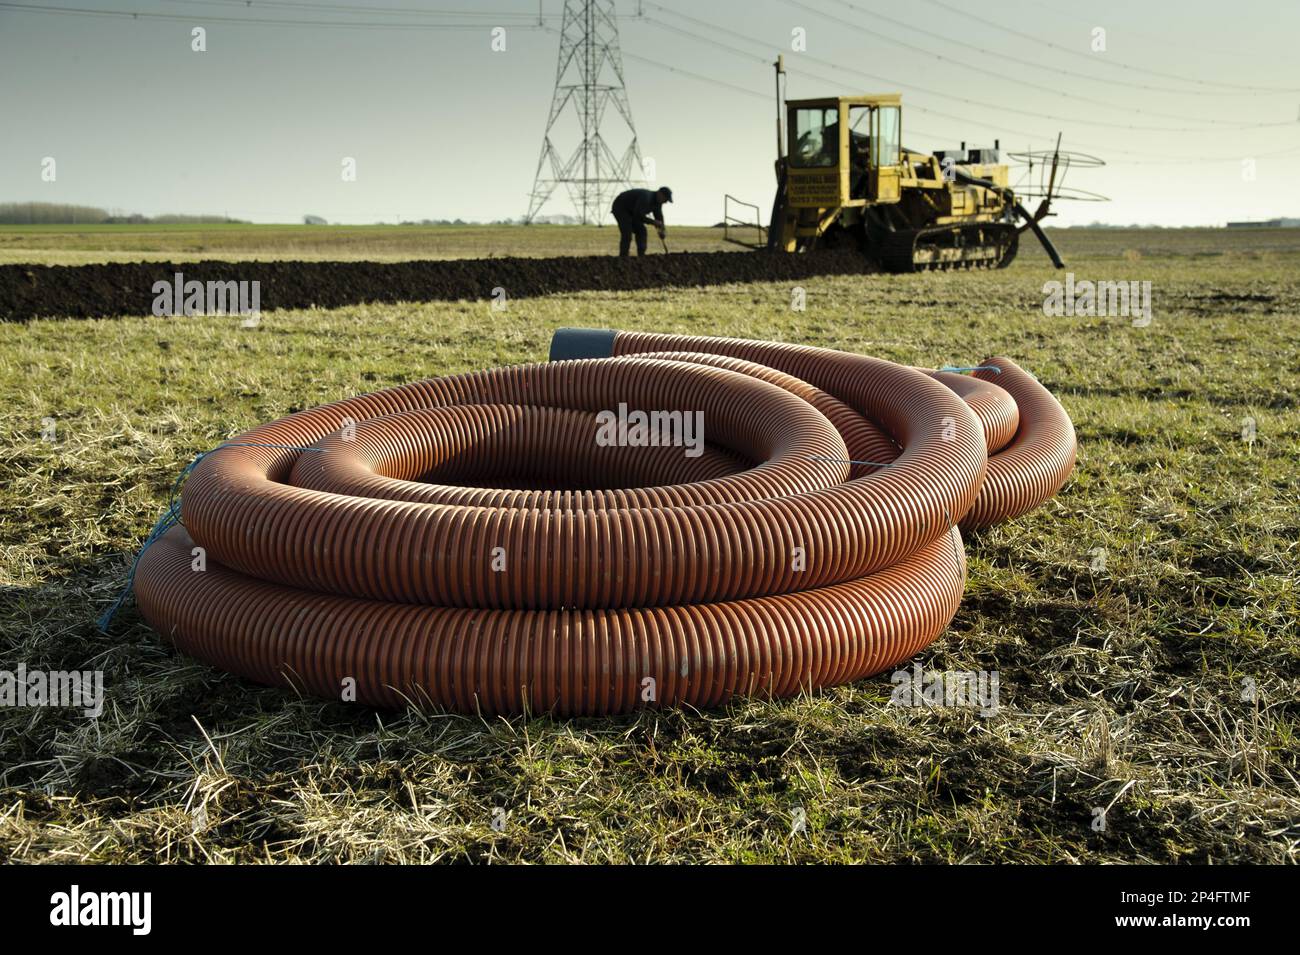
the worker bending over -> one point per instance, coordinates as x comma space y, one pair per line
634, 210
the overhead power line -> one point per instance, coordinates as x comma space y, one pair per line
1155, 38
946, 94
753, 57
696, 76
796, 71
747, 91
716, 29
347, 9
1001, 57
523, 24
1106, 61
1155, 160
262, 21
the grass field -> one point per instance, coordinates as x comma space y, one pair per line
1130, 618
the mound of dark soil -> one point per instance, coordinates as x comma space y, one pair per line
89, 291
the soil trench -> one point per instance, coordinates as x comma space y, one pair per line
93, 291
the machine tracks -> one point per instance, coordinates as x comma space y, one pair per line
979, 245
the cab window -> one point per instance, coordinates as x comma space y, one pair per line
816, 137
888, 134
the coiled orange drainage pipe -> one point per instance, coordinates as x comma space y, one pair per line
467, 542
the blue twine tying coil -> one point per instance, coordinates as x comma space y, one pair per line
172, 517
959, 369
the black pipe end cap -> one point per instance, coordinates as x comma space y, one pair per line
568, 344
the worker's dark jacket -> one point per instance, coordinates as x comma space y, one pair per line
638, 205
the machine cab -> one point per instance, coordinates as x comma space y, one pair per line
843, 151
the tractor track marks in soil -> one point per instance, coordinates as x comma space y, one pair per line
97, 291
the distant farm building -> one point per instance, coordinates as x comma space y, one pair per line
1266, 224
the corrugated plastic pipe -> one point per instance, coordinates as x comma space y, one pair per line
1030, 438
468, 542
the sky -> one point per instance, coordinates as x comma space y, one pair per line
1195, 112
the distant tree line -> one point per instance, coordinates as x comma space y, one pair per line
58, 213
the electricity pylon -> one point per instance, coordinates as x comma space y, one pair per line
589, 75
